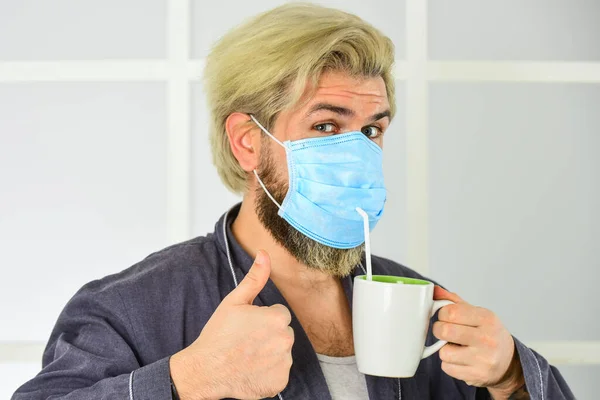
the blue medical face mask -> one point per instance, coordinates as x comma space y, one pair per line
329, 177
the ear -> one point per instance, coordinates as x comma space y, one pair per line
241, 132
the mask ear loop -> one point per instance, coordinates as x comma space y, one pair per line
262, 128
254, 170
265, 189
365, 217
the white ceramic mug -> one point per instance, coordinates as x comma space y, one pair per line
390, 319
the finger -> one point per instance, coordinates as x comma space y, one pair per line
454, 333
464, 373
290, 360
463, 314
253, 282
281, 313
292, 335
439, 293
456, 354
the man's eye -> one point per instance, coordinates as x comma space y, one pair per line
327, 128
371, 132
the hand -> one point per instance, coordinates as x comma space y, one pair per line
480, 351
244, 351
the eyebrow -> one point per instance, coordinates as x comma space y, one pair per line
345, 112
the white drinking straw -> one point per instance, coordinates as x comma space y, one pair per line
365, 217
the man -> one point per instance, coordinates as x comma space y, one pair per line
300, 99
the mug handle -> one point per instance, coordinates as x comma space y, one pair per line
429, 350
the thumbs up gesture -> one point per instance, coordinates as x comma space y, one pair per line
244, 351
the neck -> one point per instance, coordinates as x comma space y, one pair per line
285, 269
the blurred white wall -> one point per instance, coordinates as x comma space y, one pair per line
491, 163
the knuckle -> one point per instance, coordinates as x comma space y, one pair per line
494, 362
284, 314
289, 340
489, 341
276, 307
443, 314
445, 353
436, 330
452, 313
446, 368
447, 330
474, 379
280, 315
251, 277
281, 319
287, 311
489, 318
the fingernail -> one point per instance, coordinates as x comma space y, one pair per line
260, 258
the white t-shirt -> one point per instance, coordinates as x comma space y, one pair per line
344, 380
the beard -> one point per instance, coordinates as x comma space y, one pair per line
315, 255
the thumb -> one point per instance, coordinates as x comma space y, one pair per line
253, 282
439, 293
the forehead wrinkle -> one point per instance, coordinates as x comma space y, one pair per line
360, 96
330, 91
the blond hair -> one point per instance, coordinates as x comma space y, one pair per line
263, 66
